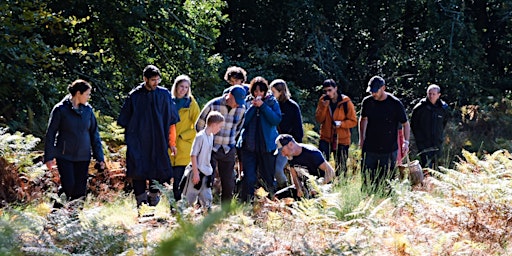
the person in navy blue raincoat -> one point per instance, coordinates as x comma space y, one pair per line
147, 114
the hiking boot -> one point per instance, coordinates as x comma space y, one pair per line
153, 198
141, 199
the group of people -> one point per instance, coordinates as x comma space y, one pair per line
169, 137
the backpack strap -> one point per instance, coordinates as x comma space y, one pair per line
345, 105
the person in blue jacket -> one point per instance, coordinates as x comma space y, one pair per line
71, 136
257, 138
147, 114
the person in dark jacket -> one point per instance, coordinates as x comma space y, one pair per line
71, 136
428, 121
147, 114
257, 138
291, 123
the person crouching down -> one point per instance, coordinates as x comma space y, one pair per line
199, 173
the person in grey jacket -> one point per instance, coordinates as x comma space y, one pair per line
71, 137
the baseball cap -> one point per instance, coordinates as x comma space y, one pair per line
239, 93
282, 140
375, 84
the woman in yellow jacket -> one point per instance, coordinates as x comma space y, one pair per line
336, 114
188, 110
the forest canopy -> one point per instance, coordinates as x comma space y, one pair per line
464, 46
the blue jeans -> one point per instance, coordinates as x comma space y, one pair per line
281, 162
376, 169
256, 164
340, 156
73, 177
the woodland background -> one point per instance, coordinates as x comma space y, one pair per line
463, 208
464, 46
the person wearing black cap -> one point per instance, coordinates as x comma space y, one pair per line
306, 157
380, 114
232, 106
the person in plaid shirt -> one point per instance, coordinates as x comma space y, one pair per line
231, 106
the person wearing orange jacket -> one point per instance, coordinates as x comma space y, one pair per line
336, 114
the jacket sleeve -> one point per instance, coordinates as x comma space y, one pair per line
190, 134
298, 131
97, 149
51, 133
201, 120
126, 112
172, 135
271, 113
321, 111
416, 127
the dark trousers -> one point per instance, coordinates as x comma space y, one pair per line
177, 174
73, 177
224, 164
139, 186
256, 164
429, 159
340, 156
376, 169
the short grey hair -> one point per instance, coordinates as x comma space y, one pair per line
434, 86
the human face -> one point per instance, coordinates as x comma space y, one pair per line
152, 82
286, 150
216, 127
231, 101
330, 91
276, 93
83, 97
182, 89
379, 95
433, 95
258, 93
235, 81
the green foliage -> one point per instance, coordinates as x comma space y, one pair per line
18, 148
188, 236
49, 44
10, 242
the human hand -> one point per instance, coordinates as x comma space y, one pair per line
50, 164
325, 100
300, 193
100, 166
405, 147
174, 150
195, 177
257, 102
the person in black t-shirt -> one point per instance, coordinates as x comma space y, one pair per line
380, 114
303, 157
